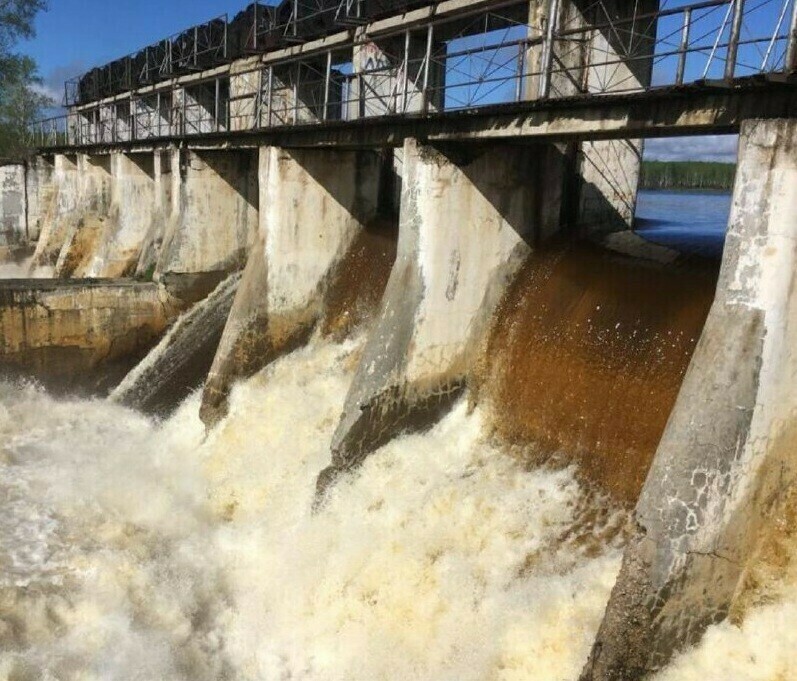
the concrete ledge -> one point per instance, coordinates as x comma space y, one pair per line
79, 335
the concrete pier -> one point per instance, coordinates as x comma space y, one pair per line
132, 212
13, 218
313, 205
214, 218
25, 195
728, 454
75, 226
469, 217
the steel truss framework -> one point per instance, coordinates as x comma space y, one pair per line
460, 61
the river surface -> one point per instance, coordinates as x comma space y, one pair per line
691, 222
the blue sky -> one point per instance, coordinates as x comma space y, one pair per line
75, 35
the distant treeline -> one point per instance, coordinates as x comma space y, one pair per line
687, 175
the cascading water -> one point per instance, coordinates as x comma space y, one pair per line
132, 549
181, 360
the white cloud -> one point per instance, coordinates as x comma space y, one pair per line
53, 93
705, 148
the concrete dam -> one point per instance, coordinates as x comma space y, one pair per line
312, 366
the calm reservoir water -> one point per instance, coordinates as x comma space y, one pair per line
692, 222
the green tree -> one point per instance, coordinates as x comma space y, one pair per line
20, 100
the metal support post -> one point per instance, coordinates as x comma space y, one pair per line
426, 66
790, 65
683, 47
216, 106
270, 96
296, 95
733, 40
521, 67
551, 22
327, 77
406, 73
254, 27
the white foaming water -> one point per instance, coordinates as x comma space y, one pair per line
135, 550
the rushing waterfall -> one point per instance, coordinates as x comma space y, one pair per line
136, 550
180, 362
132, 549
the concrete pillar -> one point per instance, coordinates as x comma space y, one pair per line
729, 453
385, 85
245, 86
314, 203
151, 116
13, 208
40, 190
469, 217
164, 209
131, 214
615, 58
214, 219
81, 187
86, 225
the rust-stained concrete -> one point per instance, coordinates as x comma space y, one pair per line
726, 458
314, 204
469, 217
79, 335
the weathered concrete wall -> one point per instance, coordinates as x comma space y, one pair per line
82, 187
386, 85
245, 84
469, 217
26, 194
132, 212
165, 206
13, 208
41, 192
724, 462
314, 203
85, 225
78, 334
214, 218
598, 61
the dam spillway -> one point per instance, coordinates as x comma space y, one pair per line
418, 402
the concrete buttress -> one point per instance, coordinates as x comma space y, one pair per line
729, 452
81, 186
130, 219
214, 219
313, 205
469, 217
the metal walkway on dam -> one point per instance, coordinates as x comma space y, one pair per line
359, 74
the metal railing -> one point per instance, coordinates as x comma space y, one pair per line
462, 61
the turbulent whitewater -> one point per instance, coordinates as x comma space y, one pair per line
131, 549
